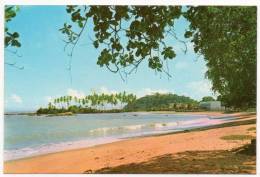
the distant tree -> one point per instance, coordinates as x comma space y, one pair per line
208, 98
159, 101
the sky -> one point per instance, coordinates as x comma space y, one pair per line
46, 75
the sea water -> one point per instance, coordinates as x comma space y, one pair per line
26, 136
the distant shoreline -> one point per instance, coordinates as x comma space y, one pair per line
20, 113
156, 112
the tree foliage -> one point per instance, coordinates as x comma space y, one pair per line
126, 35
163, 102
93, 103
226, 37
207, 98
11, 38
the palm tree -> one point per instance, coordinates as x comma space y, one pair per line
67, 101
55, 101
58, 101
75, 100
119, 97
70, 99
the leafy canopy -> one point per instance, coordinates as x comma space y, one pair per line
11, 39
158, 102
207, 98
126, 35
226, 37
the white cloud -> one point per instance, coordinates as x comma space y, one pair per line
15, 98
204, 69
49, 98
200, 88
140, 93
75, 93
190, 46
106, 90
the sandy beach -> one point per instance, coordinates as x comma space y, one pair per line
137, 150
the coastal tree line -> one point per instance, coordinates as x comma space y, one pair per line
163, 102
90, 103
121, 102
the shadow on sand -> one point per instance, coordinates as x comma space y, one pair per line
237, 161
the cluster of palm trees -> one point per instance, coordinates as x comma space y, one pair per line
97, 101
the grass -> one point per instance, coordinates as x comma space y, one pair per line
251, 129
237, 137
237, 161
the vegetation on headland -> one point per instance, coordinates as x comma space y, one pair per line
120, 102
94, 103
163, 102
208, 98
124, 102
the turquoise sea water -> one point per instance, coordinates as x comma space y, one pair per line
33, 135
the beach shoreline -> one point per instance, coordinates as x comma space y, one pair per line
65, 159
162, 128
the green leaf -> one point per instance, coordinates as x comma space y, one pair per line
188, 34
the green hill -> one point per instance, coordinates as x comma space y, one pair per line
163, 102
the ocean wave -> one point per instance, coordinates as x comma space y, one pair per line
200, 122
55, 147
114, 129
136, 127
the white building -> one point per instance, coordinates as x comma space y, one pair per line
211, 105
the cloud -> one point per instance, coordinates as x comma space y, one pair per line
204, 70
200, 88
81, 94
15, 98
190, 46
75, 93
140, 93
49, 98
106, 90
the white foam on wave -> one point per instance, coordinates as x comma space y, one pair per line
164, 125
55, 147
199, 122
133, 127
116, 129
156, 126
